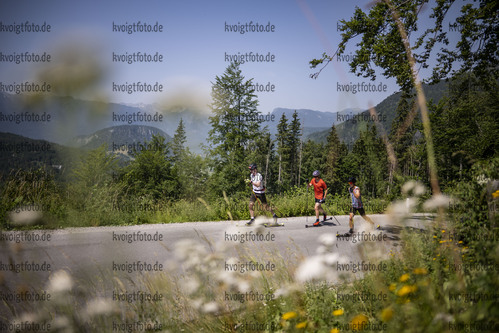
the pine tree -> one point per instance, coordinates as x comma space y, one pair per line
371, 162
178, 142
283, 150
294, 148
234, 126
313, 157
332, 155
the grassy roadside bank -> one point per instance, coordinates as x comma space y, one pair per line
33, 200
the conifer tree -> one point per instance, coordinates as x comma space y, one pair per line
234, 126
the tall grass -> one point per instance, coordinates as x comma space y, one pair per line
74, 205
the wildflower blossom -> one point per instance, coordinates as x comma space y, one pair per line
60, 281
210, 308
289, 315
404, 277
99, 307
437, 201
338, 312
386, 314
413, 187
25, 215
406, 290
358, 322
303, 324
420, 271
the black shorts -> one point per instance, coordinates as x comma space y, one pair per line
361, 211
318, 200
260, 196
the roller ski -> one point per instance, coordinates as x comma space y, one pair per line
317, 223
275, 224
347, 234
250, 223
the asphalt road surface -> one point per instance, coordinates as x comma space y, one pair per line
95, 255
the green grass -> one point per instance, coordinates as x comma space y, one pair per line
74, 205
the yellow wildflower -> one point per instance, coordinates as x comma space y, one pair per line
303, 324
420, 271
334, 330
338, 312
392, 286
405, 290
289, 315
404, 278
386, 314
358, 322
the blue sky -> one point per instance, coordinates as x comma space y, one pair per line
194, 43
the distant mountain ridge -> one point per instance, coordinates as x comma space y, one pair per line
312, 121
348, 131
19, 152
72, 117
118, 136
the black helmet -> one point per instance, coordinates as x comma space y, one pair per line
252, 166
316, 173
352, 180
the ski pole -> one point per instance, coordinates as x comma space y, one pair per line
334, 217
306, 203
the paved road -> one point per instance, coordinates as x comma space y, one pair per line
94, 254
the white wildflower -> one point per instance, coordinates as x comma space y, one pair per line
401, 208
443, 317
211, 307
60, 281
26, 318
191, 286
282, 292
228, 278
419, 189
312, 268
25, 215
331, 259
327, 240
437, 201
99, 307
186, 248
408, 186
322, 249
243, 286
197, 303
413, 188
60, 322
